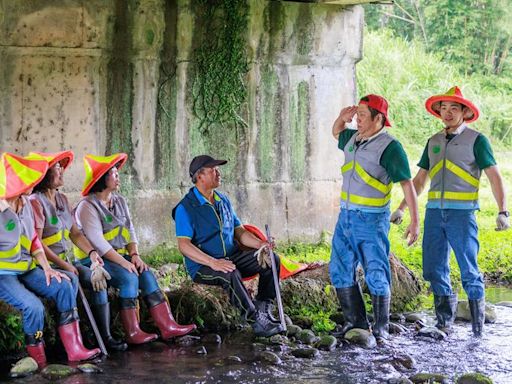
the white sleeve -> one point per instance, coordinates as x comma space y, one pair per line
88, 219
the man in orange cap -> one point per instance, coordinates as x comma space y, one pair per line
374, 160
20, 279
453, 159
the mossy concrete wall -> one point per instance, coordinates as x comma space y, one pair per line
103, 76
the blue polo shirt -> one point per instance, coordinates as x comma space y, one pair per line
210, 227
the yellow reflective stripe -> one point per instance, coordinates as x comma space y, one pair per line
464, 175
453, 195
66, 234
110, 235
369, 201
372, 182
435, 169
27, 175
126, 234
347, 167
79, 254
50, 240
25, 242
11, 252
122, 251
23, 266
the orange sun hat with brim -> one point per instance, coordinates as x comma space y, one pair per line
97, 166
65, 158
19, 174
454, 94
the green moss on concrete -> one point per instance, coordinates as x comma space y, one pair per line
299, 122
304, 26
150, 36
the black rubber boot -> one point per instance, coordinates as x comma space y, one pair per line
446, 309
477, 308
352, 305
381, 317
266, 306
102, 316
262, 325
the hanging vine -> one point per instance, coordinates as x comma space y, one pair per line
220, 63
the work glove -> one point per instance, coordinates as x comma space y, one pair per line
397, 217
99, 277
502, 222
263, 256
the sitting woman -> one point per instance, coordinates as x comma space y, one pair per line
20, 279
105, 220
55, 226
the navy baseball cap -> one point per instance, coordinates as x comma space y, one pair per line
203, 161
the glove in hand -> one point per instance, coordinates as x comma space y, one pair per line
397, 217
99, 277
502, 222
263, 257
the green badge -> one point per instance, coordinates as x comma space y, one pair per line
108, 219
54, 220
351, 148
10, 225
436, 149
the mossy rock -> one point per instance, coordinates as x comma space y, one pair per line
473, 378
429, 378
58, 371
23, 367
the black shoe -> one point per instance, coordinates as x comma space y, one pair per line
477, 309
352, 305
266, 306
380, 317
263, 326
446, 309
102, 316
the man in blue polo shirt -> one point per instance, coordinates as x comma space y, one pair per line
206, 228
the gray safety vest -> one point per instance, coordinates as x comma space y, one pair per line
16, 234
454, 173
58, 223
366, 184
115, 223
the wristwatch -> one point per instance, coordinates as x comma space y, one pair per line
505, 213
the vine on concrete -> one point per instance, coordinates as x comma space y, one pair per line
219, 89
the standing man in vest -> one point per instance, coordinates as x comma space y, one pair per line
209, 231
374, 160
454, 159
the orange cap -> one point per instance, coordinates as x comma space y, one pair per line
97, 166
19, 174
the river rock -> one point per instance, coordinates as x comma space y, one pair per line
270, 357
429, 378
211, 338
397, 317
201, 350
58, 371
279, 340
463, 312
505, 304
399, 380
307, 336
414, 317
259, 346
361, 337
326, 343
23, 367
292, 330
188, 340
89, 368
473, 378
305, 353
234, 359
432, 332
402, 360
396, 329
287, 320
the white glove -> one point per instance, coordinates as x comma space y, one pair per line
397, 217
99, 277
502, 222
263, 256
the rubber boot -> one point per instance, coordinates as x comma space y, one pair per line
262, 326
381, 317
130, 319
266, 306
162, 315
352, 305
446, 309
35, 348
71, 338
477, 309
102, 316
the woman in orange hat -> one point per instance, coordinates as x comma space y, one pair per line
55, 225
105, 220
20, 279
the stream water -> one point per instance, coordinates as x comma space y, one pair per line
460, 353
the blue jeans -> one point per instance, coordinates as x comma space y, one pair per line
444, 230
20, 291
72, 277
361, 238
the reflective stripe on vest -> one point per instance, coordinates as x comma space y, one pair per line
365, 182
454, 174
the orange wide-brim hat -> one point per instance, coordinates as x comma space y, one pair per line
97, 166
433, 103
65, 158
19, 174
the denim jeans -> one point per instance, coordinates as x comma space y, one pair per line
20, 291
361, 238
444, 230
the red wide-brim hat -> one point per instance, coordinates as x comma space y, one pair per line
19, 174
65, 158
433, 103
97, 166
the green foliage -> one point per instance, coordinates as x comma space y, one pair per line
11, 330
163, 254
